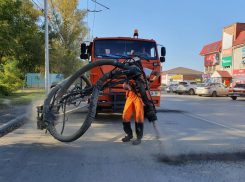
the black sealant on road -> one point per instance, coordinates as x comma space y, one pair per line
238, 156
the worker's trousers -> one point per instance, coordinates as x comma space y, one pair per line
134, 105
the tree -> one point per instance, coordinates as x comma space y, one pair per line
9, 15
21, 45
67, 22
20, 35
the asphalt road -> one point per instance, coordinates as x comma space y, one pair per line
201, 139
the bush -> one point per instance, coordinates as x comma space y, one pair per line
10, 77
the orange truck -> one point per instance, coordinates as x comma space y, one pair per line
121, 48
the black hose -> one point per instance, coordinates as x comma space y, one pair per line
89, 119
62, 88
81, 72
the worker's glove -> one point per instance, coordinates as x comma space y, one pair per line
151, 115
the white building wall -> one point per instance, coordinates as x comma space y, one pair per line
237, 57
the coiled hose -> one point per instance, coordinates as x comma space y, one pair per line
62, 88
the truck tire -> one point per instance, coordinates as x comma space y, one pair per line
233, 97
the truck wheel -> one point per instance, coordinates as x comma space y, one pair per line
200, 95
191, 92
234, 98
180, 93
214, 94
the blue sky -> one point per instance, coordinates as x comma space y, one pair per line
183, 27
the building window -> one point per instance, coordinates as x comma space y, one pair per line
210, 68
206, 69
216, 46
227, 67
209, 48
214, 68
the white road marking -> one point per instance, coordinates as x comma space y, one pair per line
207, 120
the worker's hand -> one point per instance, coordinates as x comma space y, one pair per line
151, 115
127, 86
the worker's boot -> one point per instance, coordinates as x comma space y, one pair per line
128, 131
139, 127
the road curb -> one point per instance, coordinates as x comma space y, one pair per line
13, 122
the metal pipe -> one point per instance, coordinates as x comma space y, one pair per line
46, 48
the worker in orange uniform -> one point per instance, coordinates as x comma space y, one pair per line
134, 104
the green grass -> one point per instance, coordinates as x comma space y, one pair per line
25, 98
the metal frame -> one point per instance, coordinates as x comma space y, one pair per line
115, 103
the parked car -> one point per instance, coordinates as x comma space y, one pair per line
237, 91
163, 86
170, 88
175, 88
186, 87
212, 89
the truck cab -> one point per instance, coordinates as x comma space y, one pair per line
122, 48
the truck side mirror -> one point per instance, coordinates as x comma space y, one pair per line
83, 51
162, 59
83, 48
83, 56
163, 51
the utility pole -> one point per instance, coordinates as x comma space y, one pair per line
46, 48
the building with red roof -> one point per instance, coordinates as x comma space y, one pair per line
211, 48
211, 53
240, 39
238, 72
225, 57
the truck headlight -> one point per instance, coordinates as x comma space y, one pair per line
155, 93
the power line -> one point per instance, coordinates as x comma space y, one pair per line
56, 28
40, 8
95, 11
93, 20
100, 4
87, 22
40, 4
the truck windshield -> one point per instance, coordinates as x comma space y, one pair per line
124, 49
